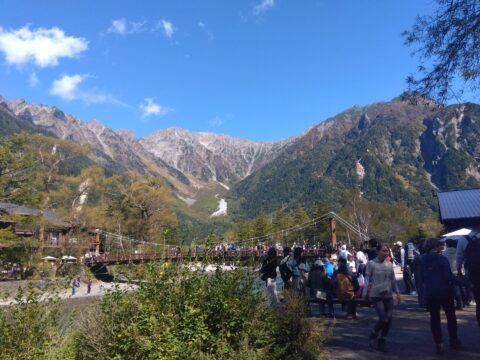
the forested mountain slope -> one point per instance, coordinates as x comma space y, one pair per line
393, 151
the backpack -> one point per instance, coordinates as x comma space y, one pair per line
344, 287
472, 257
263, 275
285, 272
410, 251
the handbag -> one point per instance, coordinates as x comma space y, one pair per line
381, 289
322, 295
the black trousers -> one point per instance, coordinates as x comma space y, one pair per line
407, 279
448, 305
476, 296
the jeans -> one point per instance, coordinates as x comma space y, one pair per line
271, 291
448, 306
384, 309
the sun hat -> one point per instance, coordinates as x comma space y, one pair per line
319, 263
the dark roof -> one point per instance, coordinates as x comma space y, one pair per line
15, 209
459, 204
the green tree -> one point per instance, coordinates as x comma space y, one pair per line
261, 225
446, 44
19, 183
146, 207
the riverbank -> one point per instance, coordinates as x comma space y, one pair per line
59, 287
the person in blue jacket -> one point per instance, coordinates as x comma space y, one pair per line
438, 284
329, 270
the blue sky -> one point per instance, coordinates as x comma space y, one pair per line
258, 69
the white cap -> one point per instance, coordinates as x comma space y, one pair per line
344, 247
399, 243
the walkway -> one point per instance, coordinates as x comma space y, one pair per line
409, 337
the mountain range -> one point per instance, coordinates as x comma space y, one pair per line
390, 151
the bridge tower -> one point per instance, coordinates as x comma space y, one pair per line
333, 231
97, 242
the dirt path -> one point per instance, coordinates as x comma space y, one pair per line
409, 337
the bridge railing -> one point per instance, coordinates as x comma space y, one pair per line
178, 253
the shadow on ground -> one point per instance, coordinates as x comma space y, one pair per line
409, 337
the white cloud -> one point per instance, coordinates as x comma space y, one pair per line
33, 80
42, 46
149, 107
215, 122
124, 27
67, 88
201, 24
167, 28
263, 7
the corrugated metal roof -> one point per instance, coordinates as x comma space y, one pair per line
460, 204
15, 209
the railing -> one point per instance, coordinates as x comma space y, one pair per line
179, 255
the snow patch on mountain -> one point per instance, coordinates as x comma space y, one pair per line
222, 208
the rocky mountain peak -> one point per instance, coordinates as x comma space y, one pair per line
126, 134
210, 156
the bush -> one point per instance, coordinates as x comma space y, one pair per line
29, 329
178, 313
175, 313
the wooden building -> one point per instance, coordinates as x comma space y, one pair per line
52, 232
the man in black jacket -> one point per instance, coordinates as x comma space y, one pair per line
439, 283
268, 273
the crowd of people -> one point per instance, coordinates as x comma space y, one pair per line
442, 273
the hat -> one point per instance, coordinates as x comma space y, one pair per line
319, 263
398, 243
344, 247
333, 257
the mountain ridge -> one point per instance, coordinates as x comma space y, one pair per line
391, 151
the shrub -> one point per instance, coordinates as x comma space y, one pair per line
178, 313
29, 329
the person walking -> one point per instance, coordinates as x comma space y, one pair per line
299, 268
382, 284
346, 286
89, 286
285, 271
468, 253
321, 288
75, 285
408, 267
439, 285
451, 254
268, 273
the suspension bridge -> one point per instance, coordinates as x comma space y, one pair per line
108, 248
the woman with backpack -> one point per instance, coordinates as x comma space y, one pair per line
285, 271
346, 286
382, 283
439, 283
